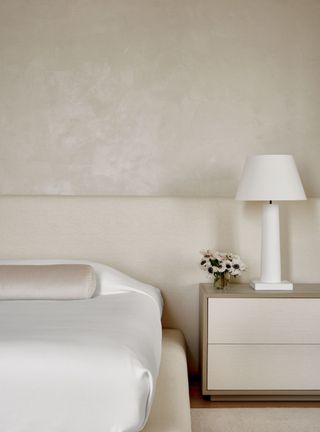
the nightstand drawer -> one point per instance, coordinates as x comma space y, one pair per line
265, 320
263, 367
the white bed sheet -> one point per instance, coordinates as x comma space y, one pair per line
79, 366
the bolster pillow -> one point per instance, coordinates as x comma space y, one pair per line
47, 282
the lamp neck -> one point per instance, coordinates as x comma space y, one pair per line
270, 244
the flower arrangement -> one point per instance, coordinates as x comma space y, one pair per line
221, 266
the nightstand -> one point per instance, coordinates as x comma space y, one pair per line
260, 345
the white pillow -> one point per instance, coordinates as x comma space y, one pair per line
47, 282
108, 279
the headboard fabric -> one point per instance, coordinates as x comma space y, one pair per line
157, 241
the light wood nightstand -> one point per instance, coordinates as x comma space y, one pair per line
260, 345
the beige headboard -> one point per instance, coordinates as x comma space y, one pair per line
157, 240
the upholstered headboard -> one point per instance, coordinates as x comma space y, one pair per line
157, 240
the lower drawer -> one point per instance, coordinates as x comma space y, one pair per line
263, 367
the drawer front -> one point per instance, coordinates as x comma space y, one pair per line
267, 320
263, 367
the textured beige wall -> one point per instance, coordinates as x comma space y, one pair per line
157, 240
155, 97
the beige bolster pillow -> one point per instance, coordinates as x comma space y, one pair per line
47, 282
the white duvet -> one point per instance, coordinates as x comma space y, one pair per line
79, 365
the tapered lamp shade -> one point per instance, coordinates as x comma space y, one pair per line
270, 178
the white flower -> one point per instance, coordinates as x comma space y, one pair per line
222, 267
228, 264
205, 263
237, 267
210, 272
207, 253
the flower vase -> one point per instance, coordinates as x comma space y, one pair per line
221, 281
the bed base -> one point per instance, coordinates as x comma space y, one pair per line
171, 407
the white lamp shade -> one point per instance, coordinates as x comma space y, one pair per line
270, 178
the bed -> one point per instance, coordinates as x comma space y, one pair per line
80, 365
91, 364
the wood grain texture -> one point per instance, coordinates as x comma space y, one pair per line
264, 367
264, 321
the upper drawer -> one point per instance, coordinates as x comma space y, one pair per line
267, 320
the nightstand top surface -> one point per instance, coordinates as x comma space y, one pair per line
244, 290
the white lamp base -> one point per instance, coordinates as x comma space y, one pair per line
271, 286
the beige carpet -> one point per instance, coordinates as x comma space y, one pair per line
255, 420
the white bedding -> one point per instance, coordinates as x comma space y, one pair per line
109, 280
79, 365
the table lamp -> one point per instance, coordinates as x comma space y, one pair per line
270, 178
